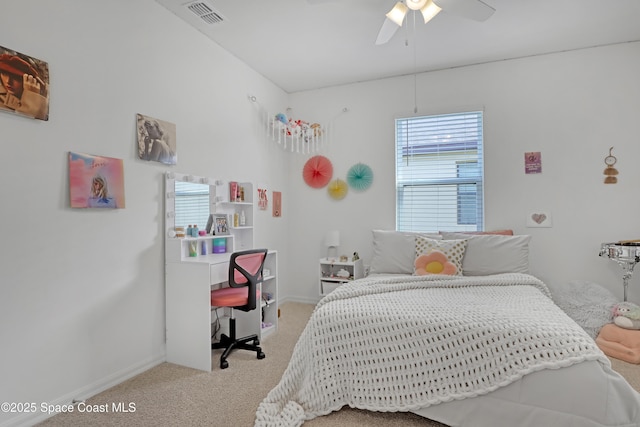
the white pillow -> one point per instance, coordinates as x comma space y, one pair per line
493, 254
395, 251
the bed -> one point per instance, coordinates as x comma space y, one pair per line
484, 345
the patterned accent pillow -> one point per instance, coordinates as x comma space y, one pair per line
452, 249
435, 262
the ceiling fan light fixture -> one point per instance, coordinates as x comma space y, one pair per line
417, 4
398, 13
429, 10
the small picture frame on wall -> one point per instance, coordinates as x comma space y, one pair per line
220, 225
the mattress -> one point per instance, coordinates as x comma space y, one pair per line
549, 398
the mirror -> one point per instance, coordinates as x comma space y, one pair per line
188, 200
191, 204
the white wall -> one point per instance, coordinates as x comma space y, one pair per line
82, 292
570, 106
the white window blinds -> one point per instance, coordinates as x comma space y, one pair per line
439, 173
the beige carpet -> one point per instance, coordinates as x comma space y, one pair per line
171, 395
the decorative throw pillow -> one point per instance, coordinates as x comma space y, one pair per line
435, 262
453, 250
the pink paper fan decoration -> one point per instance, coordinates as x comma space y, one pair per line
317, 172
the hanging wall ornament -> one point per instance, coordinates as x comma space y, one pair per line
610, 171
360, 177
317, 171
337, 189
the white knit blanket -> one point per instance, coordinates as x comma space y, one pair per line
398, 344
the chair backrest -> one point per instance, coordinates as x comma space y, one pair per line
245, 269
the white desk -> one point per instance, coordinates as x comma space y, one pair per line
188, 307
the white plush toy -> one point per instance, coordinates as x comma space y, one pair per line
626, 315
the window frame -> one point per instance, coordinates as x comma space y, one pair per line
438, 143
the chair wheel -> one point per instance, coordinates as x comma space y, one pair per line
224, 364
256, 342
261, 355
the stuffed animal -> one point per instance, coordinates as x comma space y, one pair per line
282, 118
626, 315
317, 130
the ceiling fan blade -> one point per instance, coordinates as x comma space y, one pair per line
387, 31
476, 10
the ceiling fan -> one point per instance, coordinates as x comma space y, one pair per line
476, 10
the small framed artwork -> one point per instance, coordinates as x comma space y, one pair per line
209, 228
95, 181
277, 204
156, 140
533, 162
24, 84
220, 224
539, 219
263, 200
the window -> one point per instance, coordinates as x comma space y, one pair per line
192, 204
439, 173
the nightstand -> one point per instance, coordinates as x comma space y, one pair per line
334, 273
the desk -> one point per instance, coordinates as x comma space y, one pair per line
188, 307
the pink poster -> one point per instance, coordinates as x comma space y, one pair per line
533, 162
277, 204
95, 181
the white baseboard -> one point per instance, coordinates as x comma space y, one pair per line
83, 393
298, 299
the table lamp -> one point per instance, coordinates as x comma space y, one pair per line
332, 240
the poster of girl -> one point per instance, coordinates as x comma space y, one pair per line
24, 84
95, 181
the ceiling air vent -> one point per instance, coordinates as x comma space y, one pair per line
205, 12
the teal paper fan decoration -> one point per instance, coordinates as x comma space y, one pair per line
360, 177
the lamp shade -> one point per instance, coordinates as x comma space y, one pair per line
332, 238
429, 10
398, 13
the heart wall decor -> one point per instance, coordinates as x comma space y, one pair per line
539, 219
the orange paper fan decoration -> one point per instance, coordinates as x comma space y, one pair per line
317, 172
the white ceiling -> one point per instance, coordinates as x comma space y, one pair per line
301, 46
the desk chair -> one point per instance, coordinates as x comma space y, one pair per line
245, 273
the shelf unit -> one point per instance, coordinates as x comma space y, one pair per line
330, 277
269, 296
191, 274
